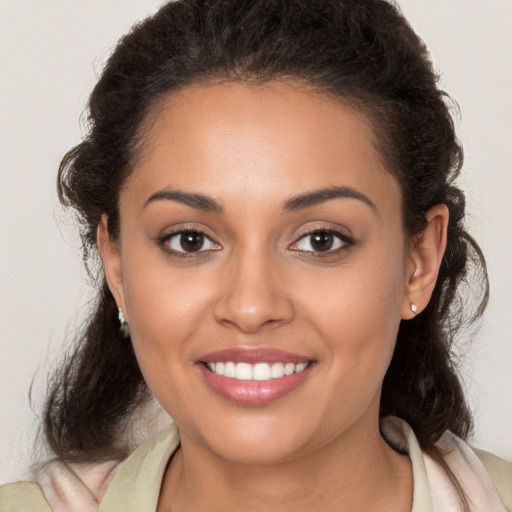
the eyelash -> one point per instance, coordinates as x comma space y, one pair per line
163, 242
345, 241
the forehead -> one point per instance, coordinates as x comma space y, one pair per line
269, 141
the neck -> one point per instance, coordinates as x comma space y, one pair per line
357, 471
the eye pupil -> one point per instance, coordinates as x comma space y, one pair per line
322, 241
191, 242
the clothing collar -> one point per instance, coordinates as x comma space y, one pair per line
136, 484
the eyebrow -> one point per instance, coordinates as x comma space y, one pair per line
296, 203
197, 201
303, 201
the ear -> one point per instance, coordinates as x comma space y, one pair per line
424, 258
109, 253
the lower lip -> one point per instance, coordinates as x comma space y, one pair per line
253, 392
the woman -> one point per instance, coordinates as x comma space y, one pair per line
269, 185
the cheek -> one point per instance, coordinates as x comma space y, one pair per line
160, 295
357, 310
166, 308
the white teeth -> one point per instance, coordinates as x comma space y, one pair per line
261, 371
289, 368
300, 367
230, 370
243, 371
277, 370
258, 371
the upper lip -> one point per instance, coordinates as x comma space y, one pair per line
252, 355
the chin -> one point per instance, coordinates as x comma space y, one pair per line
254, 439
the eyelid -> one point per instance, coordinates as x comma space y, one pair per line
346, 241
163, 242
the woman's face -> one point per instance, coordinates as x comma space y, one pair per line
260, 234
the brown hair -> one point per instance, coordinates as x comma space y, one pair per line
360, 51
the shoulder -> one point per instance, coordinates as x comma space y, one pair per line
23, 496
59, 487
486, 479
501, 473
113, 485
70, 487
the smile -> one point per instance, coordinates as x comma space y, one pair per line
258, 371
254, 376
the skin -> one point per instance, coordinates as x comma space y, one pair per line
259, 284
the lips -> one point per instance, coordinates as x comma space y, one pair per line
254, 376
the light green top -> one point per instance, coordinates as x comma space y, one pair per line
135, 486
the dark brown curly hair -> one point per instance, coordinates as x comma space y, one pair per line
360, 51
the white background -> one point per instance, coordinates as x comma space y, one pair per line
50, 54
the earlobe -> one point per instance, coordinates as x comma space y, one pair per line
425, 255
111, 262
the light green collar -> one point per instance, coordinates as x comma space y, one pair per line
136, 484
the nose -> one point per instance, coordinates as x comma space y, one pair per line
254, 293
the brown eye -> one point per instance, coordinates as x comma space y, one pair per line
189, 242
322, 240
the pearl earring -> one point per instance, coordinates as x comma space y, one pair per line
414, 308
123, 325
